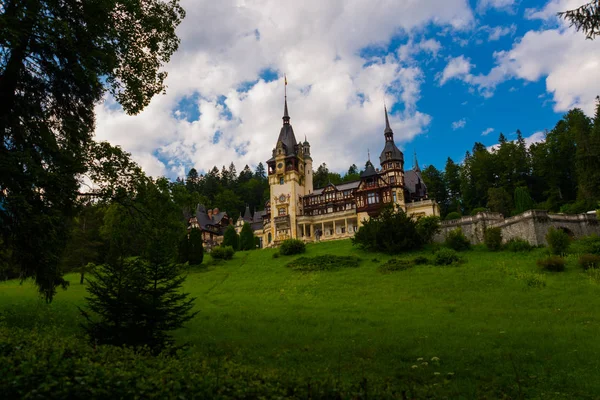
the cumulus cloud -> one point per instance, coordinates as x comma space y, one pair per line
408, 51
457, 68
506, 5
537, 137
487, 131
459, 124
495, 33
223, 103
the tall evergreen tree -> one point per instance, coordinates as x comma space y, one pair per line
260, 172
231, 238
436, 186
247, 238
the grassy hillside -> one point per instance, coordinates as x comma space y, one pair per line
479, 327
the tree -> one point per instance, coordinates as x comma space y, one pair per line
321, 177
135, 303
231, 238
247, 238
523, 201
436, 186
191, 248
192, 181
260, 172
58, 60
499, 200
585, 18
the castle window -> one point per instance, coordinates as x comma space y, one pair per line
282, 211
372, 198
388, 155
392, 179
394, 195
281, 180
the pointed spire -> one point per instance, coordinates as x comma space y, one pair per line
286, 115
388, 129
416, 166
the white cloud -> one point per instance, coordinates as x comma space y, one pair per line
457, 68
487, 131
506, 5
407, 51
495, 33
459, 124
537, 137
335, 96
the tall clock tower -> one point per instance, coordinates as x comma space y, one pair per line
290, 177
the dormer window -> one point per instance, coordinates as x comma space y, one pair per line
388, 155
281, 180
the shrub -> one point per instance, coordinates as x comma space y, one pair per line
589, 261
292, 246
394, 265
552, 263
446, 257
452, 215
558, 241
517, 245
323, 263
456, 240
427, 227
493, 238
531, 279
231, 238
247, 238
222, 253
191, 248
478, 210
136, 303
589, 244
391, 232
276, 255
420, 260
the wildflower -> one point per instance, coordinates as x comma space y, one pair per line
414, 367
420, 359
436, 373
424, 363
434, 359
450, 374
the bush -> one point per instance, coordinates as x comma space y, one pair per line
478, 210
323, 263
276, 255
247, 238
552, 263
589, 244
558, 241
517, 245
446, 257
452, 215
456, 240
394, 265
231, 238
427, 227
391, 232
589, 261
493, 238
191, 248
420, 260
222, 253
292, 246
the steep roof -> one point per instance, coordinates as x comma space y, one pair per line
340, 187
369, 170
390, 146
411, 179
247, 215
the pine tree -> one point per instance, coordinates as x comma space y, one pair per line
246, 238
231, 238
523, 201
260, 172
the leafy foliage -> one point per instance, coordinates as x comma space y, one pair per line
446, 257
493, 238
587, 261
420, 260
191, 248
453, 215
247, 238
231, 238
552, 263
456, 240
391, 232
394, 265
427, 227
523, 201
477, 210
323, 263
558, 241
222, 252
292, 246
517, 245
589, 244
135, 303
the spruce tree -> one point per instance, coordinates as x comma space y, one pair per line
246, 238
196, 248
523, 201
231, 238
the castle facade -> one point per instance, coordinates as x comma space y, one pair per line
297, 210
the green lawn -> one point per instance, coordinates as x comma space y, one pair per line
493, 334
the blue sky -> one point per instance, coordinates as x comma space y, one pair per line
451, 73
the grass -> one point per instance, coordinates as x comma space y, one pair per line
495, 334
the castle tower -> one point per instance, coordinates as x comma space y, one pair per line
392, 164
288, 180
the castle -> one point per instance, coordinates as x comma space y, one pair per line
297, 210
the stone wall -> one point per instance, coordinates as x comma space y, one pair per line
532, 225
